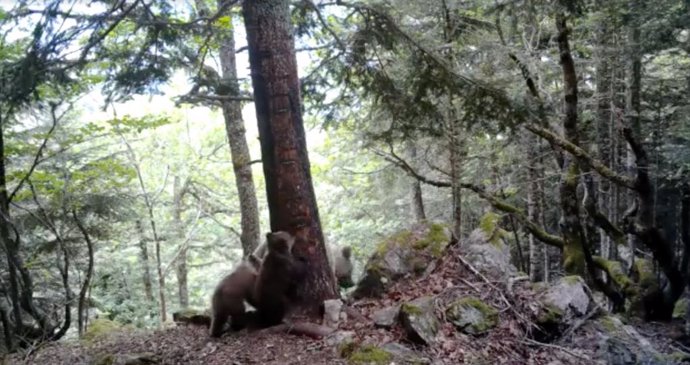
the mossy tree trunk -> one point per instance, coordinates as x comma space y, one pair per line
289, 190
571, 227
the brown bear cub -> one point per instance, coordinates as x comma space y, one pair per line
339, 259
279, 274
230, 294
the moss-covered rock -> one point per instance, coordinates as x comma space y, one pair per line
680, 310
488, 257
571, 295
101, 328
365, 355
419, 320
403, 253
403, 355
645, 283
386, 317
193, 316
488, 224
561, 304
472, 316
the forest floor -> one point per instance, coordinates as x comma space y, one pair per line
507, 343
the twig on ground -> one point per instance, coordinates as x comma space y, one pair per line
527, 341
582, 321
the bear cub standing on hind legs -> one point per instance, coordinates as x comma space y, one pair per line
339, 259
280, 272
230, 294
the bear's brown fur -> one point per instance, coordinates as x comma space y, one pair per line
277, 278
229, 296
339, 259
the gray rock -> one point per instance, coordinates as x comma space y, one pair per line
571, 295
403, 355
615, 352
419, 320
492, 257
339, 337
409, 252
472, 316
332, 310
387, 317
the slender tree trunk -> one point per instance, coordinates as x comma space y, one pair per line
416, 197
289, 190
152, 221
11, 248
455, 148
82, 313
533, 211
181, 260
603, 141
633, 76
144, 256
241, 159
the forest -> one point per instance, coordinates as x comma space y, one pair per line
353, 181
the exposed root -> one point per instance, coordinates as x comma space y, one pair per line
309, 329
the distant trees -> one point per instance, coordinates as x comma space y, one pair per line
496, 64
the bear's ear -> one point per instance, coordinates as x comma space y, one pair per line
347, 252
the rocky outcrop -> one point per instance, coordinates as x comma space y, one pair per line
487, 255
408, 252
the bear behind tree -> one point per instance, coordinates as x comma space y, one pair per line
339, 259
278, 276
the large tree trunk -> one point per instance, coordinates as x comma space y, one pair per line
289, 190
571, 227
241, 160
181, 259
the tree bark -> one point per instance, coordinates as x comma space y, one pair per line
533, 211
144, 256
417, 201
633, 75
603, 140
456, 156
289, 190
10, 245
152, 221
81, 307
571, 227
241, 159
181, 260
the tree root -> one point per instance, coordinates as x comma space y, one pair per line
312, 330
